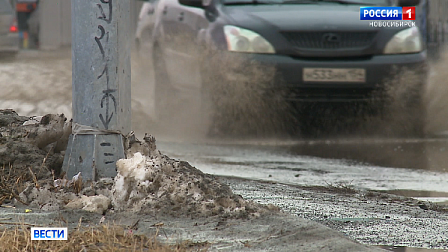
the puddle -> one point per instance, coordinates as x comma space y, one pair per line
440, 201
419, 194
406, 249
432, 196
354, 163
421, 154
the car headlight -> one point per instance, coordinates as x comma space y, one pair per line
242, 40
405, 41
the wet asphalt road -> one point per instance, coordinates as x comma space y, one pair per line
408, 167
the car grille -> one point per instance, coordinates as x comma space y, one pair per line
329, 40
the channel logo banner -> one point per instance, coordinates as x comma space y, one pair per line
387, 13
48, 234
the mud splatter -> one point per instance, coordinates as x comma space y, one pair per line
436, 96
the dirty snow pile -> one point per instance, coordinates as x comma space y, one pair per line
149, 183
152, 182
32, 142
146, 182
94, 197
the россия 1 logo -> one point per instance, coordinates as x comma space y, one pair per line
396, 16
387, 13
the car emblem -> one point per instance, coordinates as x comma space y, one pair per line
331, 37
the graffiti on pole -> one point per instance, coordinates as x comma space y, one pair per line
102, 40
108, 93
103, 16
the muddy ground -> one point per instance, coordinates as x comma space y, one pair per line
309, 218
267, 233
368, 217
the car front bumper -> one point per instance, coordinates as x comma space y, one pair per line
290, 83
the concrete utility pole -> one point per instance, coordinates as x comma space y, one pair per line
101, 87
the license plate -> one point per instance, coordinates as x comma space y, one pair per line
334, 74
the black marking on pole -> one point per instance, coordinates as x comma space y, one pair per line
106, 97
105, 71
109, 154
103, 14
105, 144
97, 39
108, 92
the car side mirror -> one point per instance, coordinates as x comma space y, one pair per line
192, 3
408, 2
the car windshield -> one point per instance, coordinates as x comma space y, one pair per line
5, 7
356, 2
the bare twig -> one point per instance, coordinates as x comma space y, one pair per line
19, 200
34, 178
45, 160
133, 226
8, 206
79, 223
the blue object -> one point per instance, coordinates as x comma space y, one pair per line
380, 13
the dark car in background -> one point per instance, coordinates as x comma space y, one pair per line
9, 36
321, 50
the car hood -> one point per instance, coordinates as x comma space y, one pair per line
298, 16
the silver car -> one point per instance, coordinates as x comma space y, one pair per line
9, 34
145, 23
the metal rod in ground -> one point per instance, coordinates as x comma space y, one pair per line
101, 87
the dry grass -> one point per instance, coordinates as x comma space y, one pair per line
104, 238
12, 183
